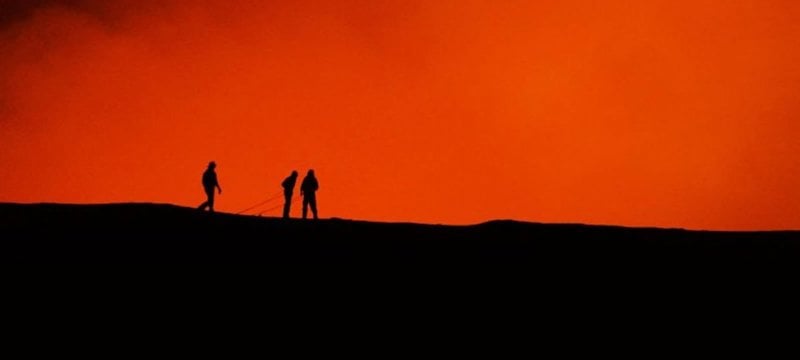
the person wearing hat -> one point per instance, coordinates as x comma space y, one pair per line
209, 183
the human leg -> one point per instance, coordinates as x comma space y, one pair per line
287, 204
313, 203
210, 202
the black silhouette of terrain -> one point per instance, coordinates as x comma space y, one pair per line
153, 233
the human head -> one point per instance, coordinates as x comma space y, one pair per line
294, 173
212, 165
311, 172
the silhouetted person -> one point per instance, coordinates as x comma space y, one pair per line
288, 188
308, 190
209, 183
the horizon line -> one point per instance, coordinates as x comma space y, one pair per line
489, 221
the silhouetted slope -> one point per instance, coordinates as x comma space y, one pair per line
165, 233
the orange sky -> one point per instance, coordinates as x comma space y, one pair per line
658, 113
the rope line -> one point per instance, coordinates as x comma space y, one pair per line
271, 198
295, 200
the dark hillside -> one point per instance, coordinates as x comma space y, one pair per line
152, 233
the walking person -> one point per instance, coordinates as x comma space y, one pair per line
288, 188
209, 184
308, 190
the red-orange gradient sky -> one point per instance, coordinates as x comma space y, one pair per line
659, 112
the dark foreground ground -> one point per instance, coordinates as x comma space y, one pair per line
151, 233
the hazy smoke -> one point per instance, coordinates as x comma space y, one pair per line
660, 112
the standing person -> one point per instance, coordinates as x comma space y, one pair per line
209, 183
288, 188
308, 190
